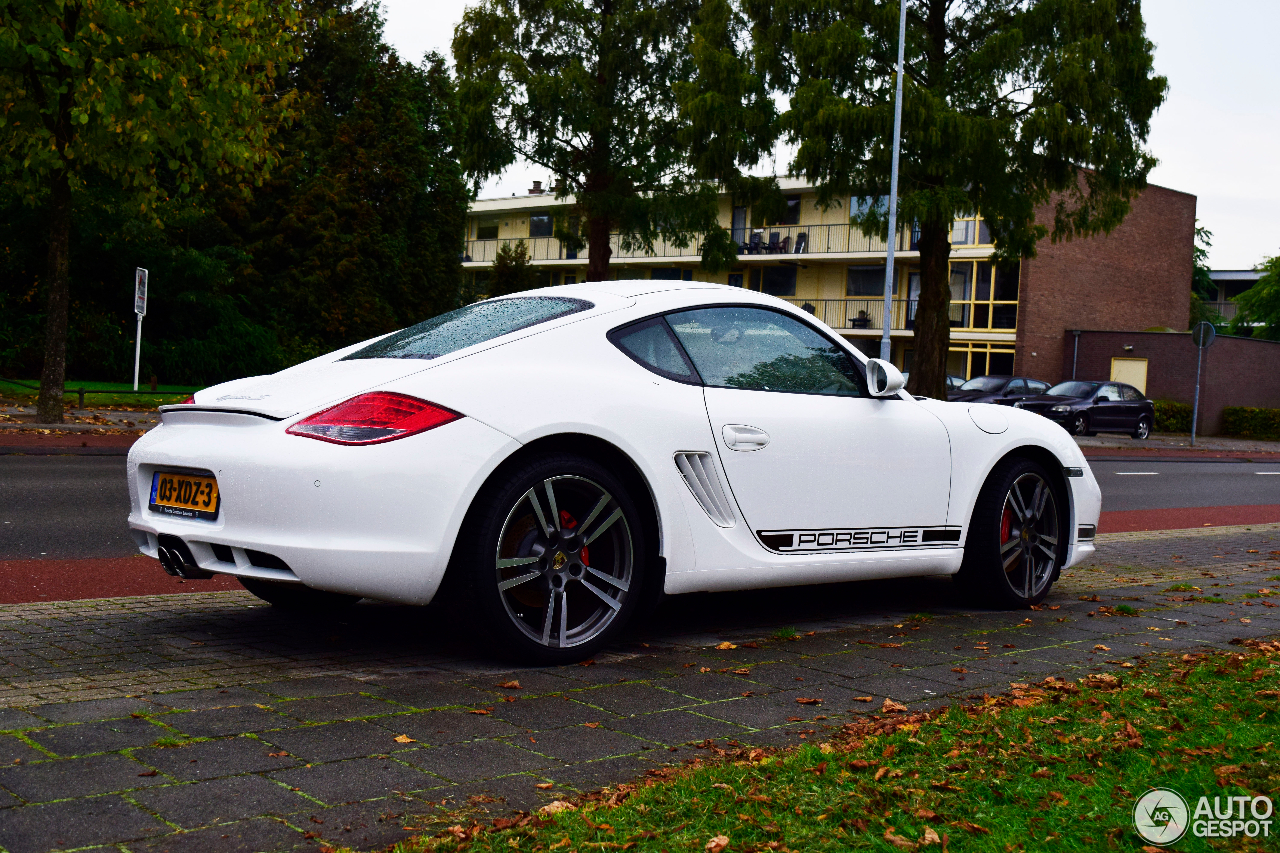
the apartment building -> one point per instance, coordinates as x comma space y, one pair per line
1004, 318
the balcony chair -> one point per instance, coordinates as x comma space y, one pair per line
862, 321
784, 248
774, 236
802, 243
752, 247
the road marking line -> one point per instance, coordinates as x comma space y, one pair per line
1265, 473
1137, 473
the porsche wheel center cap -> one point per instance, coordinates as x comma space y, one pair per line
558, 561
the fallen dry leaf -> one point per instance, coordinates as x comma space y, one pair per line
741, 672
592, 725
725, 646
881, 773
544, 786
480, 711
805, 700
717, 844
929, 837
403, 739
890, 706
898, 841
510, 685
558, 806
704, 669
1101, 648
863, 699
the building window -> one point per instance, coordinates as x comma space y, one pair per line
487, 229
755, 279
779, 281
735, 279
792, 216
983, 295
979, 359
540, 225
739, 225
666, 274
864, 281
962, 232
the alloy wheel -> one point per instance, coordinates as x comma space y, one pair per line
1144, 429
564, 561
1081, 424
1029, 535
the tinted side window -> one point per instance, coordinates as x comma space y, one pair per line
1017, 386
1110, 391
652, 344
1132, 395
1037, 387
758, 350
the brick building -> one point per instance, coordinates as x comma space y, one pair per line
1003, 320
1234, 371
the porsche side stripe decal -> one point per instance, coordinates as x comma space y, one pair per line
858, 539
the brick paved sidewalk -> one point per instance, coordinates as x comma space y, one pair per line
187, 723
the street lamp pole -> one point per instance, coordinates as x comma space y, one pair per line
885, 345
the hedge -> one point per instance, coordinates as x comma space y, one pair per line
1251, 423
1172, 416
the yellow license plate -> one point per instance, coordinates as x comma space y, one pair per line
184, 495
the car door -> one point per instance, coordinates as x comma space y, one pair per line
1133, 405
805, 449
1108, 408
1013, 392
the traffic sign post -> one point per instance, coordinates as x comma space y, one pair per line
1202, 336
139, 308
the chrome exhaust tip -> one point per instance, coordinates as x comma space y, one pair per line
169, 562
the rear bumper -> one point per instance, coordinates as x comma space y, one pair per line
377, 521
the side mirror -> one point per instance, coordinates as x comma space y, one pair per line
1102, 398
883, 379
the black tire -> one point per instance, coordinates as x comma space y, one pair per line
996, 571
1143, 430
296, 598
1080, 425
544, 546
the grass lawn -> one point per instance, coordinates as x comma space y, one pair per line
1056, 765
26, 396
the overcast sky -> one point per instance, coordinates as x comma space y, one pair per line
1217, 135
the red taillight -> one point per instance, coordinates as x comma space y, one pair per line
373, 418
190, 401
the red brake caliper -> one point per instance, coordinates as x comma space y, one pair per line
1006, 525
568, 522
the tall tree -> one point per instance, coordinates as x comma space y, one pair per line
359, 230
155, 98
587, 90
1258, 314
1007, 105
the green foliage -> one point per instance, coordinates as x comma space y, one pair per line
1259, 312
1007, 106
511, 272
589, 91
356, 231
153, 97
1201, 284
1248, 422
1172, 416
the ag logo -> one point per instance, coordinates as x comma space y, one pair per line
1160, 816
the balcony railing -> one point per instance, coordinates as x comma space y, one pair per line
869, 313
778, 241
1227, 310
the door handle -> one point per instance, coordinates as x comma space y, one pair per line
743, 437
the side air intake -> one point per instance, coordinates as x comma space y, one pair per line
699, 472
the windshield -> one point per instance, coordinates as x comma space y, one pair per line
985, 383
472, 324
1073, 389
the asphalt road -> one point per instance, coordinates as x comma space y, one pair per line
68, 507
1166, 484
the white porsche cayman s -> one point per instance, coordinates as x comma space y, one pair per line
560, 457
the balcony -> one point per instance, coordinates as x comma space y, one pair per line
858, 314
782, 241
1227, 310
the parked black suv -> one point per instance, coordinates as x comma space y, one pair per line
1088, 408
1006, 390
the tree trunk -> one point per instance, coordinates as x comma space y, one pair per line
598, 249
933, 316
54, 374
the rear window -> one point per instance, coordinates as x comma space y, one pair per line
473, 324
